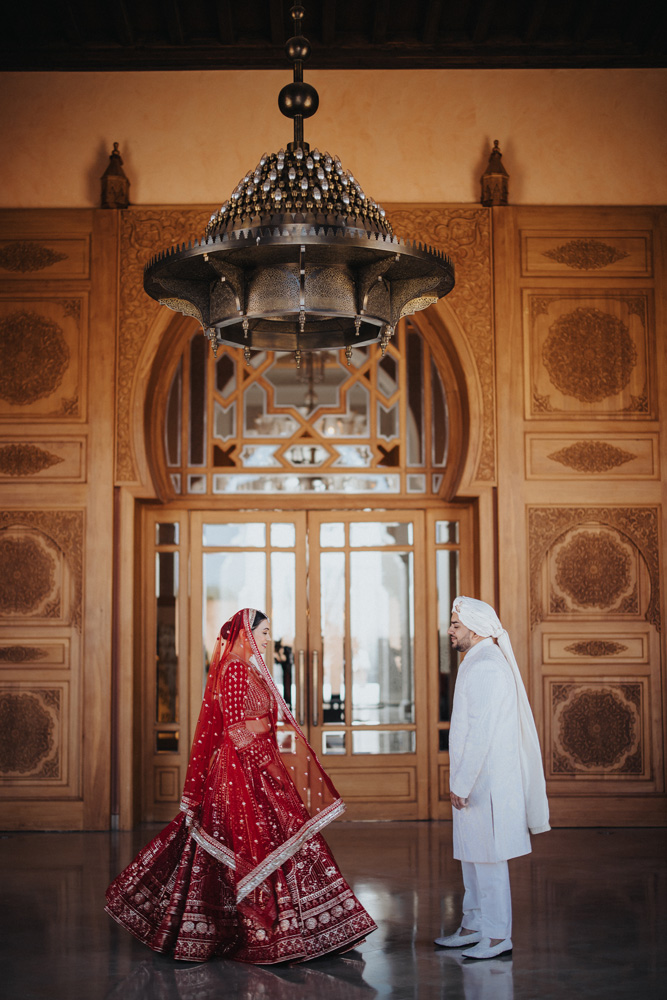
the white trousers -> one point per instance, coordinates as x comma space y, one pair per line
487, 902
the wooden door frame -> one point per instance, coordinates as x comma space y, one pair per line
430, 767
439, 803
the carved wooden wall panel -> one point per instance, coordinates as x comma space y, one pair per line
43, 346
596, 572
35, 740
53, 258
42, 654
585, 549
581, 512
33, 578
54, 538
620, 254
589, 354
40, 683
593, 570
43, 459
593, 649
598, 728
57, 306
601, 456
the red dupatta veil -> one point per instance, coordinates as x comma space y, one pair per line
219, 799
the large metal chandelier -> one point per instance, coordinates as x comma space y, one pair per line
299, 258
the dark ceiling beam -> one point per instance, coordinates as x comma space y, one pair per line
226, 33
122, 23
584, 18
116, 58
379, 33
431, 22
174, 21
71, 24
535, 19
277, 18
482, 24
329, 22
649, 33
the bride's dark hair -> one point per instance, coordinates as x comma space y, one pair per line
227, 627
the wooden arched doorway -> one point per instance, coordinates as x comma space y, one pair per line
324, 496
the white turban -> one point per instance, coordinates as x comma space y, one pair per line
483, 620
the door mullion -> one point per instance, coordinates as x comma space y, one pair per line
347, 647
311, 576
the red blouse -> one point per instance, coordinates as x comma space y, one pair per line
244, 697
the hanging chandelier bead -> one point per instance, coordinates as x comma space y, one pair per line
297, 49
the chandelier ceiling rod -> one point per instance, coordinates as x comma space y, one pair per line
298, 100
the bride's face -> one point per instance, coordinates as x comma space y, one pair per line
262, 635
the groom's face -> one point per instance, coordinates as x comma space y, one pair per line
462, 637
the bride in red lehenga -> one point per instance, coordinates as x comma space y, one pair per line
243, 872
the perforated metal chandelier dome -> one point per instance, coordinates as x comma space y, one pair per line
299, 258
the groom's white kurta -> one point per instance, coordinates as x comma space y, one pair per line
485, 765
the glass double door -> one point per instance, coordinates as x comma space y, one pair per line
345, 592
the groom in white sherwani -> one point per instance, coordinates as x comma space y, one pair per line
496, 777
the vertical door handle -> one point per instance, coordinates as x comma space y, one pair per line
316, 687
302, 687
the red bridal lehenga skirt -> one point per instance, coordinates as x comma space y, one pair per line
176, 897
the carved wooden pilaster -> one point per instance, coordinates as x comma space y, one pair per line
143, 231
465, 235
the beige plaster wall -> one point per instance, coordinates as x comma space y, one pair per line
568, 136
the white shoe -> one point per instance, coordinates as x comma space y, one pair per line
485, 950
459, 940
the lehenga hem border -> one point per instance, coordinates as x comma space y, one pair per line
288, 849
273, 861
222, 854
133, 932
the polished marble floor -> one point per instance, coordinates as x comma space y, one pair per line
590, 921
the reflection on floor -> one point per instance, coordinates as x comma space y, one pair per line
590, 920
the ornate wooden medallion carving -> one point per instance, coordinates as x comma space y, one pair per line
27, 732
589, 354
638, 524
593, 569
586, 254
597, 729
65, 528
596, 647
25, 256
33, 357
21, 654
26, 459
591, 456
